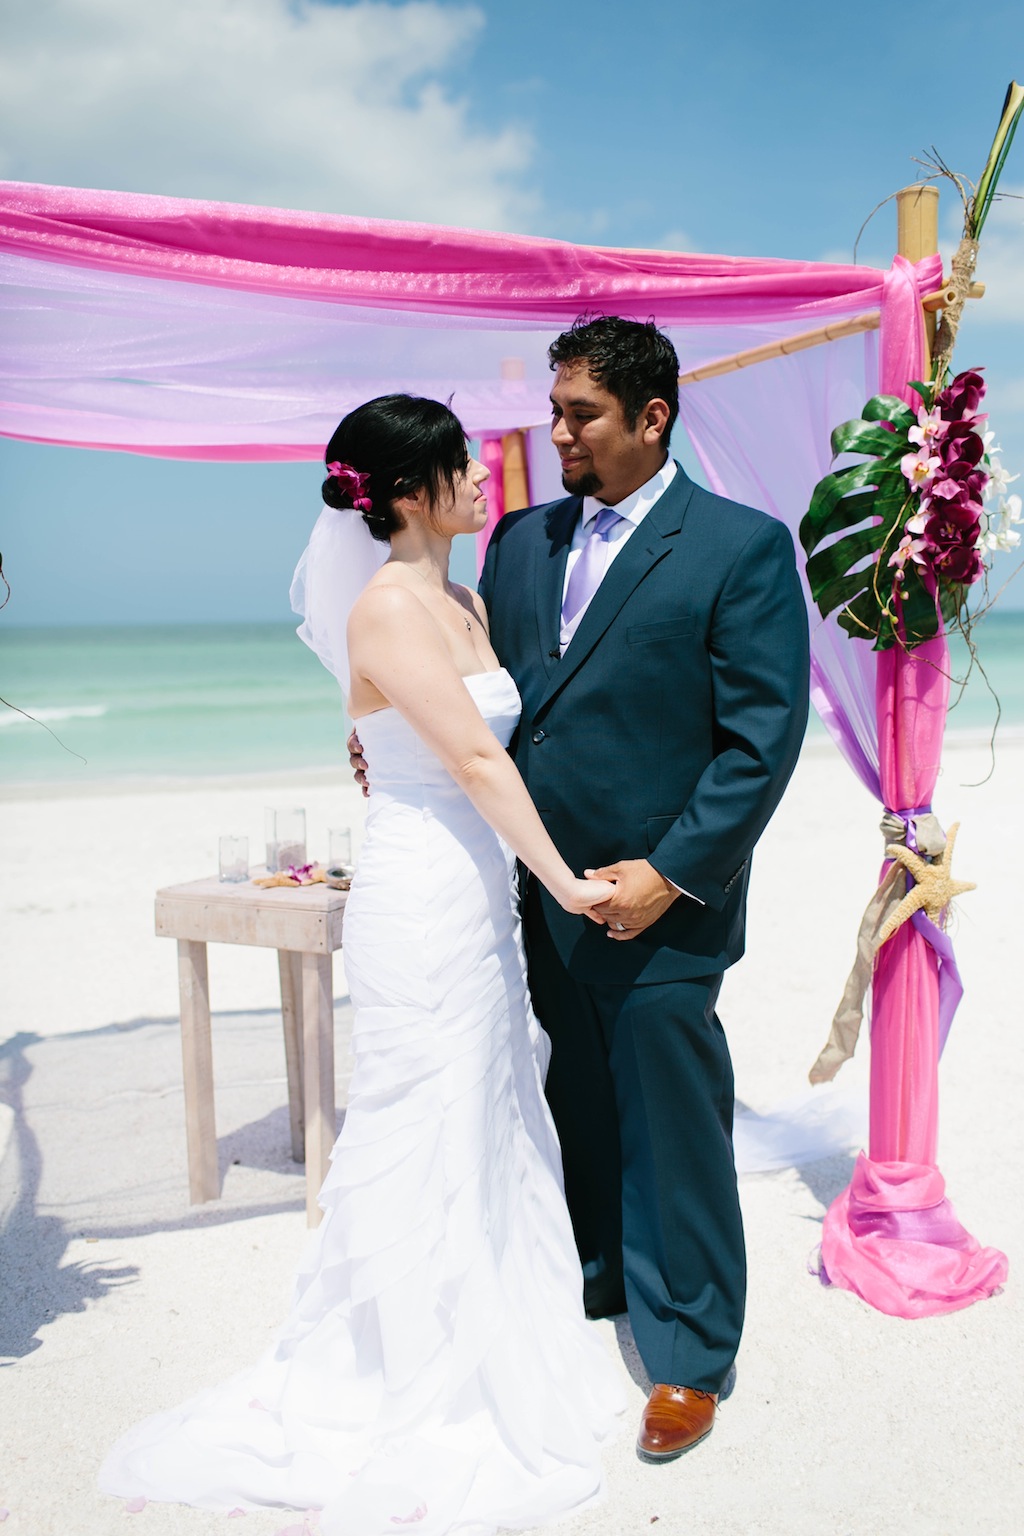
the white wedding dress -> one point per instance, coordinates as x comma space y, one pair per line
436, 1370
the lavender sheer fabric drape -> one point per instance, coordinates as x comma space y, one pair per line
215, 331
208, 330
891, 1236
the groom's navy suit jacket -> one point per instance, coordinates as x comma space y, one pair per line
669, 728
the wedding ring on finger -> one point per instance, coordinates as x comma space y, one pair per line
621, 927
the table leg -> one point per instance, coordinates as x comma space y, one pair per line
290, 967
318, 1073
197, 1061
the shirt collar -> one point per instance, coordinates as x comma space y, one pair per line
635, 508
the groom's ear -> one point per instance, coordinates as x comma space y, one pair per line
654, 421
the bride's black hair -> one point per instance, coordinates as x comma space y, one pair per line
405, 444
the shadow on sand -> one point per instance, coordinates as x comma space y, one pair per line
92, 1146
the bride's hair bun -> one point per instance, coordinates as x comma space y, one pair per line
335, 495
390, 447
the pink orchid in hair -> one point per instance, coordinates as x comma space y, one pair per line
353, 483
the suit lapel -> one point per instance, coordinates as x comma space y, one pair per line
551, 557
648, 545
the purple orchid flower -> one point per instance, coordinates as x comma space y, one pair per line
960, 399
300, 872
952, 526
960, 562
963, 443
960, 483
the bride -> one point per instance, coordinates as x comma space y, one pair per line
435, 1369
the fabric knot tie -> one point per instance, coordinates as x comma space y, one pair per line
590, 567
919, 828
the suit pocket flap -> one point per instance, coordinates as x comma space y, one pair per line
664, 629
657, 826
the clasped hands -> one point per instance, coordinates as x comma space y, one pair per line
642, 895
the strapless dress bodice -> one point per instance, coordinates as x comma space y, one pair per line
397, 757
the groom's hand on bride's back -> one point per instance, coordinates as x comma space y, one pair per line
358, 762
642, 895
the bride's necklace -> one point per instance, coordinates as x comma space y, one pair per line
426, 583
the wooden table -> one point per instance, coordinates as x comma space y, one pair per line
304, 925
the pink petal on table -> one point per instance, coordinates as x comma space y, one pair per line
255, 1403
135, 1506
417, 1514
3, 1514
234, 1514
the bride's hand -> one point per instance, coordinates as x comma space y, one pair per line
580, 896
358, 762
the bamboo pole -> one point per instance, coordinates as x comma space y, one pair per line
834, 332
917, 215
772, 349
917, 236
943, 297
515, 472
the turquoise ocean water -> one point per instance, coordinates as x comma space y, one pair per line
193, 700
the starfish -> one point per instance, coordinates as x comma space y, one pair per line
934, 886
306, 874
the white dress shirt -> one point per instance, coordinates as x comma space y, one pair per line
632, 510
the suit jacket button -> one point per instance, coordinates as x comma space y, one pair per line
538, 737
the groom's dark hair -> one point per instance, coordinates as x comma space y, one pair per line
631, 359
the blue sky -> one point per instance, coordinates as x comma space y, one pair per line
736, 128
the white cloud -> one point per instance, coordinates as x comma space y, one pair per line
677, 240
1010, 401
341, 108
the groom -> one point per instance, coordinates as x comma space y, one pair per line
658, 637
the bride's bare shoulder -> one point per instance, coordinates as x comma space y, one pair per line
388, 598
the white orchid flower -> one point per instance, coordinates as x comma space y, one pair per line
998, 479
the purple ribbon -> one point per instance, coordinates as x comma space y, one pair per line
951, 988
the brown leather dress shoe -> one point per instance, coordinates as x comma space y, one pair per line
675, 1420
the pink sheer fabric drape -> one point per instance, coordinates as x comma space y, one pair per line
492, 456
408, 266
205, 330
211, 330
891, 1236
912, 695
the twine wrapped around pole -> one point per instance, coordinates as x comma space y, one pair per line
961, 278
874, 929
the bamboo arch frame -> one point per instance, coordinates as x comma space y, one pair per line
917, 215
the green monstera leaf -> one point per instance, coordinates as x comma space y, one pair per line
854, 523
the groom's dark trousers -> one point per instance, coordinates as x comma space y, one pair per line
667, 731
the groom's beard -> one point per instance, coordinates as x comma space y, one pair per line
588, 484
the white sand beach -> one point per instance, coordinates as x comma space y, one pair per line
120, 1298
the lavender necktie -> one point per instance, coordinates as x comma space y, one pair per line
590, 567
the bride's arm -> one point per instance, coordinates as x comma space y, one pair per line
395, 644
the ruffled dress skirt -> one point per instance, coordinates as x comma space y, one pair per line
436, 1370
